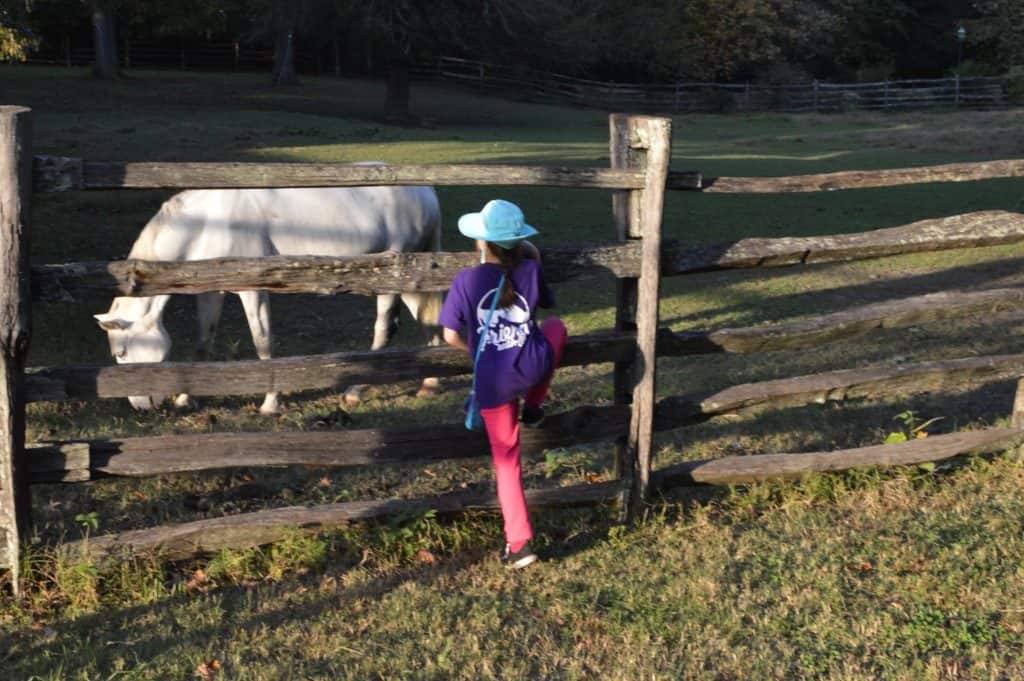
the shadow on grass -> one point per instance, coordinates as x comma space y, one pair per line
99, 639
993, 274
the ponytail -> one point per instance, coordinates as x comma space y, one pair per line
510, 259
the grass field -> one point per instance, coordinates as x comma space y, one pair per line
903, 574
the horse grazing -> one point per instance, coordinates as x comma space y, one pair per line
216, 223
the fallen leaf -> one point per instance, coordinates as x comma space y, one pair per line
325, 482
139, 495
921, 435
208, 670
426, 557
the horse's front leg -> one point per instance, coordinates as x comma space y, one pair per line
208, 309
257, 312
383, 331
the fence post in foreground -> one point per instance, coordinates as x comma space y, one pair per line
1017, 416
15, 327
815, 95
957, 86
639, 142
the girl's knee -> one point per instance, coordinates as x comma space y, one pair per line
554, 330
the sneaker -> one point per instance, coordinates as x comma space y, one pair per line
532, 416
520, 559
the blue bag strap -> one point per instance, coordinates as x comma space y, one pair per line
487, 325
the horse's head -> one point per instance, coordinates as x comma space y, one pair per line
136, 334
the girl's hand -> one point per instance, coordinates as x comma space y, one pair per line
452, 338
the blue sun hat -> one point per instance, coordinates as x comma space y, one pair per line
500, 222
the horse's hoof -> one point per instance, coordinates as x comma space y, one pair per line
185, 402
271, 406
428, 391
352, 397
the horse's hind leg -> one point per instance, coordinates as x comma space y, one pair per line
426, 309
257, 312
208, 307
383, 331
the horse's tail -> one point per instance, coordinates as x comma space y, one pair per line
434, 243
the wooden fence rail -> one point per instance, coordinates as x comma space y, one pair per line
338, 370
73, 461
61, 173
181, 541
401, 272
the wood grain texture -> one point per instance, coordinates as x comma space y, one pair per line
177, 542
398, 272
732, 470
56, 173
15, 330
864, 179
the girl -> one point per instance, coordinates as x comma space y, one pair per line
518, 359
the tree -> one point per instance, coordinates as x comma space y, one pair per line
999, 32
16, 40
411, 30
106, 63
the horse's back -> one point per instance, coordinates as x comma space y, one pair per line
334, 221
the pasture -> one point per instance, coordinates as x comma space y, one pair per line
904, 574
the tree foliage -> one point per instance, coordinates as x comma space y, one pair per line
607, 39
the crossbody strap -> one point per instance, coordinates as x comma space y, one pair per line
487, 325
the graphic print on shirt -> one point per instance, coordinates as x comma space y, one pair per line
509, 326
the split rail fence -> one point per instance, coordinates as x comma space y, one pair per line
638, 178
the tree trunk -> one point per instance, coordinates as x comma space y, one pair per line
284, 59
104, 43
396, 103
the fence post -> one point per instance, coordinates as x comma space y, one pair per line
15, 327
746, 96
885, 94
639, 142
957, 81
815, 95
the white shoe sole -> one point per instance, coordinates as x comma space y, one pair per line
522, 562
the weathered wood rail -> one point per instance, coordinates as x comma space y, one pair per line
73, 461
337, 370
401, 272
640, 149
181, 541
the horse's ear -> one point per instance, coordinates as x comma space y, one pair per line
109, 322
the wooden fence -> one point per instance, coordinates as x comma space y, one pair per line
812, 96
638, 177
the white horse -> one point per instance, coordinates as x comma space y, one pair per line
214, 223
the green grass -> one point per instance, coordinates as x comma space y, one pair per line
905, 574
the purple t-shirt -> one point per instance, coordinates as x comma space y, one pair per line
516, 356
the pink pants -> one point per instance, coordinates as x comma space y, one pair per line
503, 432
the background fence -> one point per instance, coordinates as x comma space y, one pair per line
524, 83
638, 177
814, 96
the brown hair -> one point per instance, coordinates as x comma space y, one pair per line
510, 259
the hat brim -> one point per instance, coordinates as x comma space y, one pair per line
472, 225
